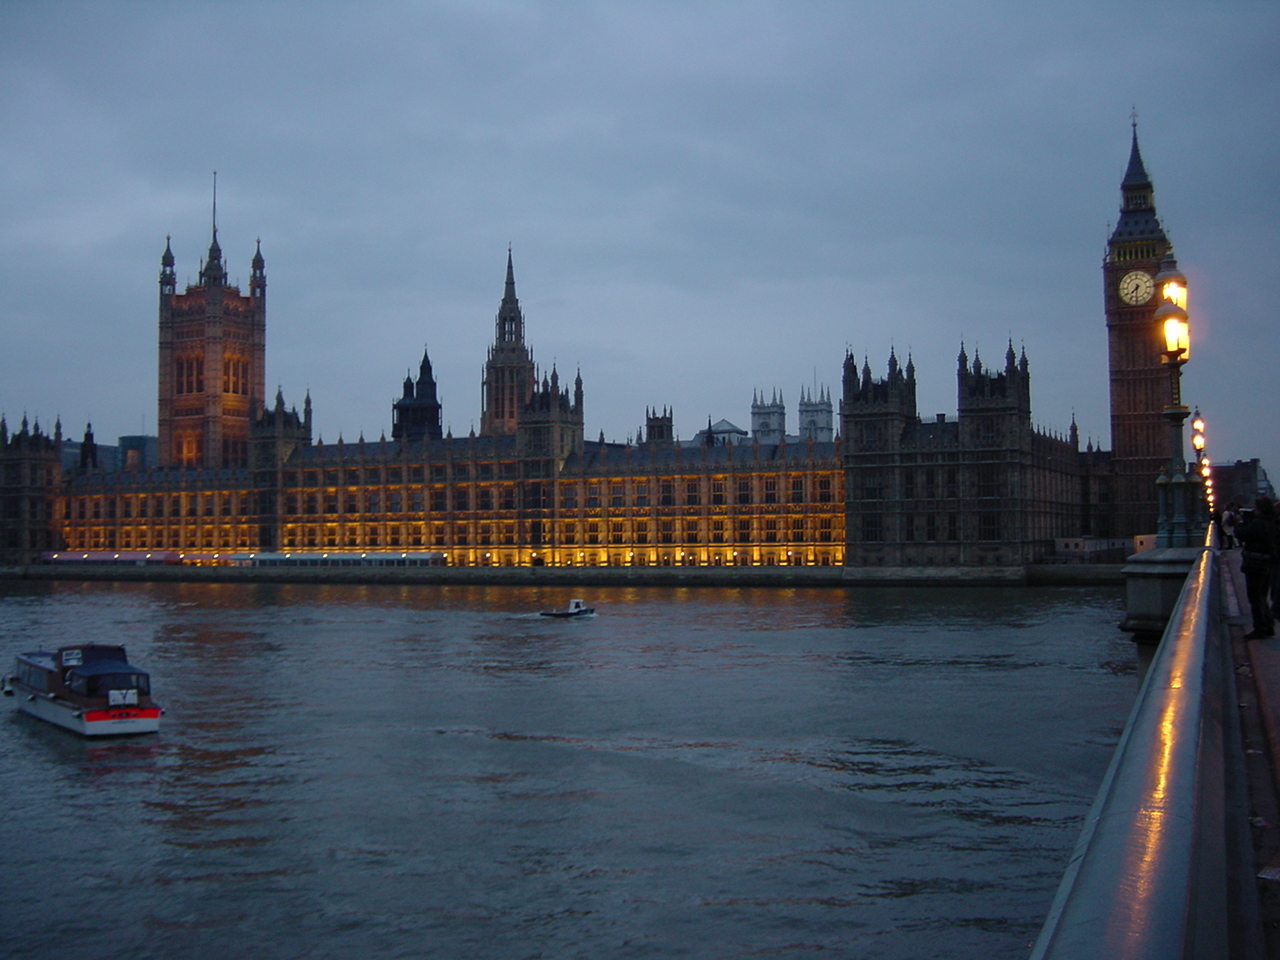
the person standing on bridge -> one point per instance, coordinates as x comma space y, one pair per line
1258, 554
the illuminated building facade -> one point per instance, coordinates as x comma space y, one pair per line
528, 490
889, 490
212, 370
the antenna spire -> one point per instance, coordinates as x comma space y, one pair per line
215, 203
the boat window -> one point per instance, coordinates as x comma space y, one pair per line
98, 685
33, 677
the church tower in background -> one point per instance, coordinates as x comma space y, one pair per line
212, 362
1140, 441
509, 375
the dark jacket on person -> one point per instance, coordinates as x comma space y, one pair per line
1258, 541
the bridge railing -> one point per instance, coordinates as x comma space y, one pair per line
1157, 871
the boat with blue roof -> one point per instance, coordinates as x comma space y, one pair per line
89, 688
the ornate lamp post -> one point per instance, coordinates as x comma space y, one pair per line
1202, 460
1179, 508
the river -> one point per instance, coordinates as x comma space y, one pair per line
378, 771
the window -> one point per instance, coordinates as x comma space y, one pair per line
744, 491
797, 489
771, 490
872, 488
691, 496
824, 489
642, 494
988, 482
667, 493
872, 528
989, 525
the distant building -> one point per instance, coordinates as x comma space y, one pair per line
136, 452
1240, 483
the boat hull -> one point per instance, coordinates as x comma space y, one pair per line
88, 722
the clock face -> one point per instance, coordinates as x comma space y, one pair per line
1136, 287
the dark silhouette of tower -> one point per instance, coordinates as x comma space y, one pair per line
1140, 442
509, 375
416, 415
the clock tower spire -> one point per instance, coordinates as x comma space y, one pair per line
1139, 382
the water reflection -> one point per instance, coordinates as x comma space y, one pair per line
400, 771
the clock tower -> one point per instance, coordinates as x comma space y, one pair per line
1140, 442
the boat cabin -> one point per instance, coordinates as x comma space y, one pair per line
92, 673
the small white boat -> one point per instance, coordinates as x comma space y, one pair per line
576, 608
89, 688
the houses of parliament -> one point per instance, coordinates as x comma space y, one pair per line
870, 485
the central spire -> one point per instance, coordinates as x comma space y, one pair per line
214, 272
510, 321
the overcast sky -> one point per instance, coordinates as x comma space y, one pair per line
703, 199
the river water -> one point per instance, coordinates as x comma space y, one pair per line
439, 772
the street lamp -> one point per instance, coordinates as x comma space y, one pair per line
1179, 513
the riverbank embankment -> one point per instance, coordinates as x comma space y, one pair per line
1029, 575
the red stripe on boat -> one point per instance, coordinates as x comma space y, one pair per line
121, 713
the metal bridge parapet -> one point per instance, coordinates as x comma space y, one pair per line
1157, 866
